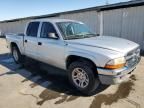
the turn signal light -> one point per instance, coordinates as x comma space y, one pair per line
115, 66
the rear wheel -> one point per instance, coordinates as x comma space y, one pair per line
16, 55
82, 77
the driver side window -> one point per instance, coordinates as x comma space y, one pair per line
70, 30
46, 29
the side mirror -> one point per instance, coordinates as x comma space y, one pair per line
52, 35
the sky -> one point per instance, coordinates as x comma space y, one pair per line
12, 9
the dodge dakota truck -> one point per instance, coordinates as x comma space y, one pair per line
90, 60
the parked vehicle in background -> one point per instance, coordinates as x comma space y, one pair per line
90, 60
2, 34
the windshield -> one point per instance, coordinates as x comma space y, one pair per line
74, 30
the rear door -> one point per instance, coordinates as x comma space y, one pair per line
30, 40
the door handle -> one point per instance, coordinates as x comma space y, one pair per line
25, 41
39, 43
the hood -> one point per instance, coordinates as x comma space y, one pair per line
106, 42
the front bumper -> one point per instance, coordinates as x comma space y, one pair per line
123, 75
107, 76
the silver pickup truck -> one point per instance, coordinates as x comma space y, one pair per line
90, 60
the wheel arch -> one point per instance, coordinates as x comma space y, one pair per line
75, 57
14, 44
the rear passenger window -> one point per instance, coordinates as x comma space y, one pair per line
32, 29
46, 29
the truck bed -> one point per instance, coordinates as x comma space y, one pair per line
18, 39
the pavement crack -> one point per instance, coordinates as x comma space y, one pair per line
30, 95
37, 98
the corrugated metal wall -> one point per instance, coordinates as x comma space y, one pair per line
112, 22
90, 18
13, 27
125, 23
133, 24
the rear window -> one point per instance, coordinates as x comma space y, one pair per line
32, 29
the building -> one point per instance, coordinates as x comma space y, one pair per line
125, 20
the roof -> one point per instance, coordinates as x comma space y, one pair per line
54, 20
132, 3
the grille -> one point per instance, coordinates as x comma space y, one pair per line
133, 57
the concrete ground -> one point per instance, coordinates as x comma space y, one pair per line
31, 87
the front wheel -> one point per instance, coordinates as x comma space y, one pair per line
82, 77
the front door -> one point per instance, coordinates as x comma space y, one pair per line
50, 50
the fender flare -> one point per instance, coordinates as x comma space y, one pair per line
84, 55
16, 45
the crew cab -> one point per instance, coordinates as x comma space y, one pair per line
90, 60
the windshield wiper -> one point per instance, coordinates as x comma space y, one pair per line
89, 35
80, 36
75, 37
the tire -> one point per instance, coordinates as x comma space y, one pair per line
88, 81
18, 58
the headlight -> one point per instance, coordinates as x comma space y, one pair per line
116, 63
